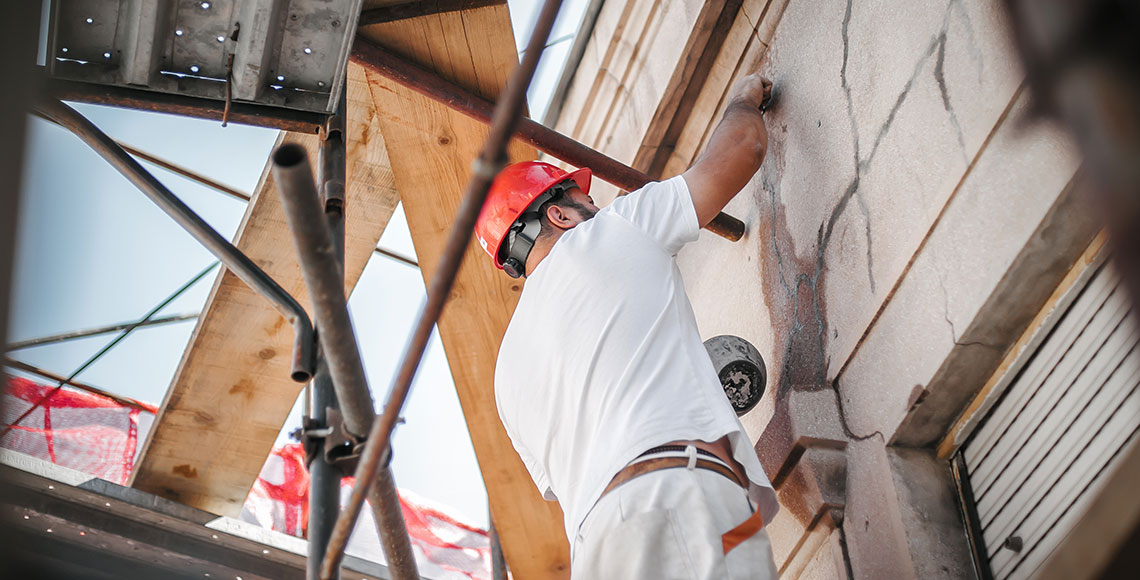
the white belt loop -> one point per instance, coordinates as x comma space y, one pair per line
691, 451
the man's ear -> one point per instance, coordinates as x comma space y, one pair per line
559, 217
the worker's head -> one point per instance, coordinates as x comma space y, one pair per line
529, 201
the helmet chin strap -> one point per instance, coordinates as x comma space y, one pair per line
520, 239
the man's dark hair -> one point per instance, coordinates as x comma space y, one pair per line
561, 200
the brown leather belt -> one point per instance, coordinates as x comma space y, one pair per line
658, 463
730, 539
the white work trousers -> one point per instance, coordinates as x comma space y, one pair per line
666, 525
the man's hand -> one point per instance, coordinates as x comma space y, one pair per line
735, 150
753, 90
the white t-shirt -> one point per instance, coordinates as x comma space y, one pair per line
602, 359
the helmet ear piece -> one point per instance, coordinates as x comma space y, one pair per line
513, 267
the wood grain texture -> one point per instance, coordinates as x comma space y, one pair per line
231, 392
741, 53
432, 148
697, 59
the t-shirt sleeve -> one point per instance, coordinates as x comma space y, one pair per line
662, 210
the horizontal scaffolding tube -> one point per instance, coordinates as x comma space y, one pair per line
198, 107
34, 370
431, 85
66, 336
233, 258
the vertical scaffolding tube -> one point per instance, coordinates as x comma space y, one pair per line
324, 277
494, 155
324, 478
498, 562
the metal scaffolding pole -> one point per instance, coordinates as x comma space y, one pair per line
110, 345
241, 113
34, 370
233, 258
89, 332
506, 117
321, 267
431, 85
324, 477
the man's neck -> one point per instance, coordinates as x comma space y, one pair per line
541, 248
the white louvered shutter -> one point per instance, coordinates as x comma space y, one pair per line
1043, 452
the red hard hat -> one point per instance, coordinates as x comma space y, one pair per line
514, 189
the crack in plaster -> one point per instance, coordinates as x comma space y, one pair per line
805, 360
945, 298
940, 79
954, 336
937, 47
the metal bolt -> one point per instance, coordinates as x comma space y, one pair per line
1013, 543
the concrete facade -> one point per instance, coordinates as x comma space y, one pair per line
910, 220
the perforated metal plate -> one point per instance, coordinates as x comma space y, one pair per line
284, 53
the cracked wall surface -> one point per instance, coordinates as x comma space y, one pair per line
909, 220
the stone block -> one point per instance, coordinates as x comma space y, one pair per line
987, 233
873, 530
803, 420
812, 498
928, 501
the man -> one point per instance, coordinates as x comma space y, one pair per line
602, 381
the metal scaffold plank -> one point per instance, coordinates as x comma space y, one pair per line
232, 390
431, 148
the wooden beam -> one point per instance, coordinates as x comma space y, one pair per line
232, 391
685, 85
431, 149
394, 12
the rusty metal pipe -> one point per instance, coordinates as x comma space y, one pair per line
89, 332
385, 502
124, 401
233, 258
323, 278
320, 396
431, 85
321, 267
506, 117
251, 114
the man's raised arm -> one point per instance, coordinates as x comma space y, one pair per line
735, 151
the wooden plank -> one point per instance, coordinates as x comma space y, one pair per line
741, 53
685, 85
394, 11
232, 391
431, 151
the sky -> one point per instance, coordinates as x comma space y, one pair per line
92, 250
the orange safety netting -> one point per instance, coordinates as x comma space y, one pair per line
99, 436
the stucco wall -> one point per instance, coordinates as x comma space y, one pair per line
910, 219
